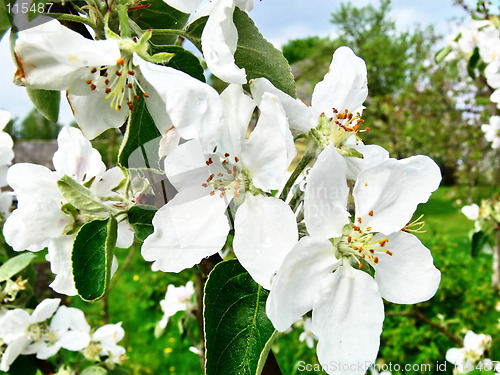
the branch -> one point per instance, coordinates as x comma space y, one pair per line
417, 314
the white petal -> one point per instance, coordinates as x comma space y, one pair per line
169, 142
267, 154
372, 155
59, 256
75, 340
30, 180
409, 275
13, 351
186, 167
46, 350
219, 39
14, 324
347, 319
186, 233
53, 57
325, 197
186, 6
101, 118
298, 280
45, 310
265, 232
106, 182
109, 334
125, 235
32, 227
344, 86
238, 109
194, 107
471, 211
69, 318
76, 157
456, 356
300, 116
387, 195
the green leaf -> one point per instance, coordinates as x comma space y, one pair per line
254, 53
15, 265
94, 370
237, 331
479, 240
159, 16
141, 217
183, 60
47, 102
24, 365
4, 19
79, 196
473, 61
141, 142
92, 256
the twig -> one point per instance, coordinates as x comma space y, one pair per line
417, 314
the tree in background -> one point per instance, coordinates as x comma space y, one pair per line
415, 105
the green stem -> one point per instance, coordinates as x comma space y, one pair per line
308, 157
73, 18
123, 17
177, 32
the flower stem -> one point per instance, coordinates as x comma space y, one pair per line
308, 157
73, 18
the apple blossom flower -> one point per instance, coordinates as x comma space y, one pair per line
220, 36
176, 299
334, 116
6, 156
108, 76
40, 221
307, 335
328, 271
104, 343
473, 350
194, 225
19, 330
492, 131
68, 329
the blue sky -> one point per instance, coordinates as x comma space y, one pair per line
279, 21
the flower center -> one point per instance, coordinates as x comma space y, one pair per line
337, 129
357, 244
119, 82
226, 177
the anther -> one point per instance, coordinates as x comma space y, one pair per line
88, 82
131, 72
93, 70
226, 155
93, 87
370, 213
108, 90
120, 61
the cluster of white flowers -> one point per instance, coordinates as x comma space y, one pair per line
25, 333
483, 36
488, 211
6, 156
231, 175
466, 359
41, 220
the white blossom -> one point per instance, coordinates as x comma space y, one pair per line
328, 271
194, 224
176, 299
220, 36
39, 221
